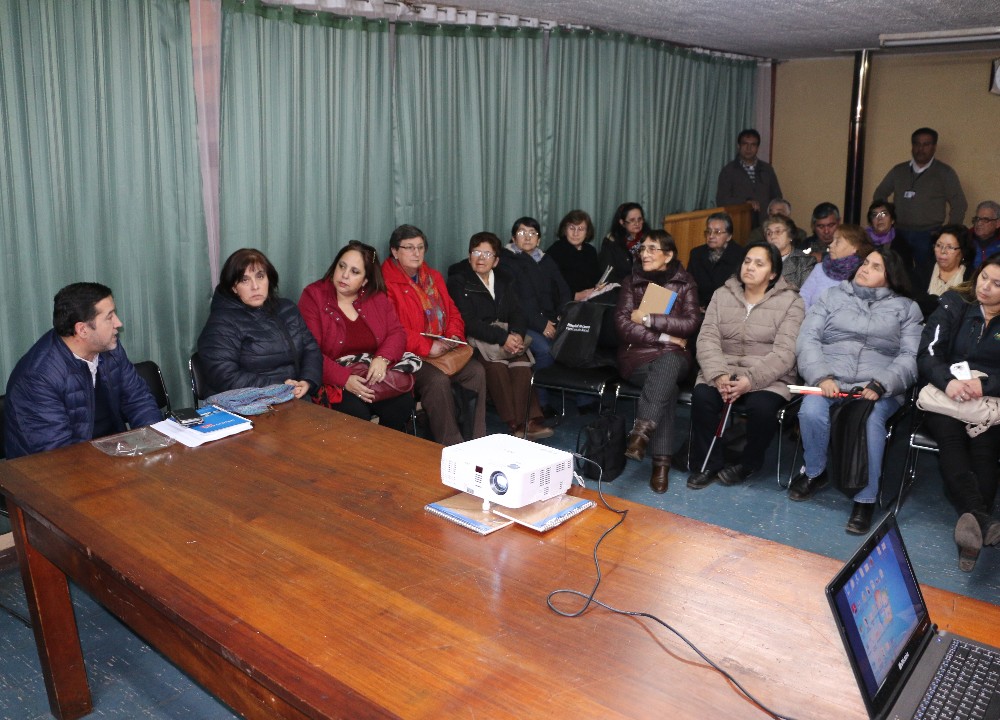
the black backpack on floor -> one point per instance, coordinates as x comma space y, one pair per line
603, 442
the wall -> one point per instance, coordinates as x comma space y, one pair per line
946, 91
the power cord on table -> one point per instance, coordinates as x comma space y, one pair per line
589, 599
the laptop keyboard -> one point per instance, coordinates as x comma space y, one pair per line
965, 685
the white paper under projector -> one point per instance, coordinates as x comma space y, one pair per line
507, 470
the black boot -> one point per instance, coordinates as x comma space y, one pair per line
804, 487
860, 521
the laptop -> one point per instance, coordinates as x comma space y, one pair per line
894, 648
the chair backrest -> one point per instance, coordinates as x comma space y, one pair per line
199, 383
150, 372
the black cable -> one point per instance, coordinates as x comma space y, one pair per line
589, 599
15, 614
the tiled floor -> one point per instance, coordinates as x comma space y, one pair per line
130, 680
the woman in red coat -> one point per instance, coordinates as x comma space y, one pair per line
425, 308
349, 313
653, 348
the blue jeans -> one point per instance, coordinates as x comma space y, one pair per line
541, 349
814, 423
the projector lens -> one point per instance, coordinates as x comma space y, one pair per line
498, 482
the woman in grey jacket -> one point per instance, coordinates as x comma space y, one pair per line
746, 351
863, 332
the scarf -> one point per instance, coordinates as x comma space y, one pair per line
881, 240
535, 254
430, 299
841, 268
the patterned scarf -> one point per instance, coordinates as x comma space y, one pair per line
430, 299
842, 268
880, 240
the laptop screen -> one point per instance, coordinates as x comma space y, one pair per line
880, 613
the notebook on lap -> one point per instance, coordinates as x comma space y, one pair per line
895, 649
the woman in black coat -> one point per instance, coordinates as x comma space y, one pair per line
254, 338
966, 328
628, 228
495, 326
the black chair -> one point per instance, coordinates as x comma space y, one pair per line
199, 383
150, 372
586, 381
920, 441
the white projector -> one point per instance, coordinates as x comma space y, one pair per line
507, 470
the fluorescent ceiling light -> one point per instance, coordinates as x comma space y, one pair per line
939, 37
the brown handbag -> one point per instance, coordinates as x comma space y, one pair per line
452, 361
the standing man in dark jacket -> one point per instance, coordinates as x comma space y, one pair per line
76, 383
748, 179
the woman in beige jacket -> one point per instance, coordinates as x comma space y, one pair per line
746, 351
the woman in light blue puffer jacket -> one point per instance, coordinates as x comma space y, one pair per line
861, 333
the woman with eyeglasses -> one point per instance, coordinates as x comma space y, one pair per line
541, 289
653, 349
796, 264
496, 327
433, 326
949, 270
628, 228
575, 256
881, 231
349, 313
965, 328
253, 337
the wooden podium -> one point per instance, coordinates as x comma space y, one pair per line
688, 229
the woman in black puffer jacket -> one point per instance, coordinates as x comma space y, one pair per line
496, 327
653, 348
254, 338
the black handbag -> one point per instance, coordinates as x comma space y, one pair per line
578, 333
603, 442
847, 461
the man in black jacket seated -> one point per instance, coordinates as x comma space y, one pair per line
717, 260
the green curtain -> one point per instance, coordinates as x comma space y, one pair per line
632, 119
98, 172
467, 131
305, 156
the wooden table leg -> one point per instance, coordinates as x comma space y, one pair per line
54, 624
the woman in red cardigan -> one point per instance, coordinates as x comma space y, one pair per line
423, 304
349, 313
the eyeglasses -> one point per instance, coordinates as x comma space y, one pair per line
879, 214
412, 248
484, 254
945, 248
716, 231
650, 249
775, 231
981, 219
526, 234
634, 221
576, 228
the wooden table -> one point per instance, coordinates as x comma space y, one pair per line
293, 572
